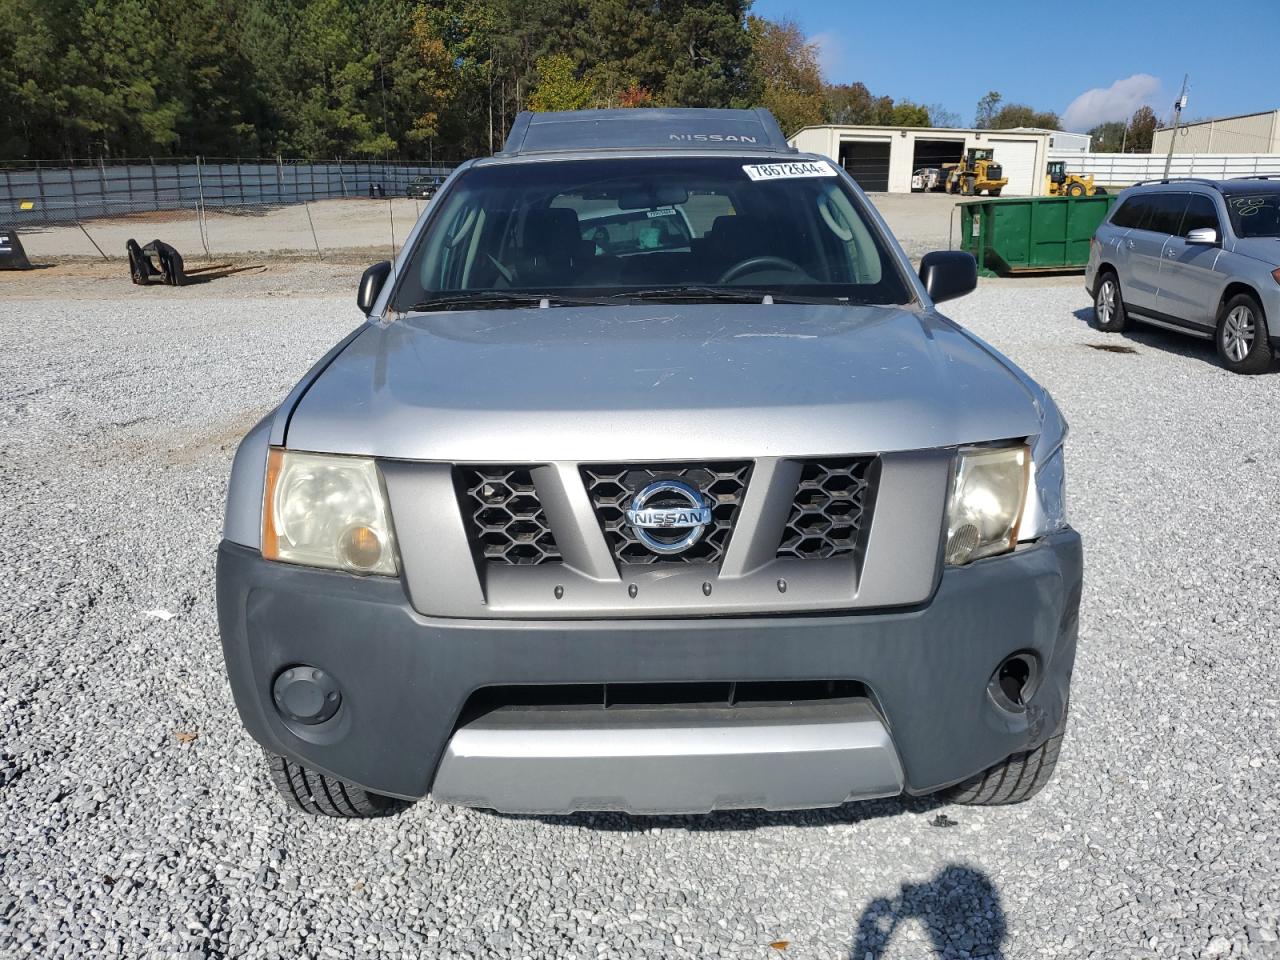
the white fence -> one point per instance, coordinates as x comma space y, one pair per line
1122, 169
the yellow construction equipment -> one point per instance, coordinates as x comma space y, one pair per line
1059, 183
978, 172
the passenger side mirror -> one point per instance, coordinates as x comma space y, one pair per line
371, 285
948, 274
1203, 237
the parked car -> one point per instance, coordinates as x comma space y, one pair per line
738, 522
1196, 256
424, 187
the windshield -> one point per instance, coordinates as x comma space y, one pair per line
1255, 214
650, 228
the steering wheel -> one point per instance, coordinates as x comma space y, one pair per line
752, 264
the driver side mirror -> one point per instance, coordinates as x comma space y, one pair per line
371, 283
948, 274
1203, 237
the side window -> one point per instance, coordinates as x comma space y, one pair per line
1131, 213
1166, 212
1200, 213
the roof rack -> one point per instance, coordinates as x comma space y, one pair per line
645, 128
1204, 180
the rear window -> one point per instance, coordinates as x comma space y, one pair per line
1130, 213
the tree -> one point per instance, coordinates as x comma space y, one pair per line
784, 68
559, 86
1108, 137
908, 114
1142, 130
988, 106
940, 116
1020, 115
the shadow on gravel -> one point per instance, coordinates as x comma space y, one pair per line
1166, 341
959, 909
728, 820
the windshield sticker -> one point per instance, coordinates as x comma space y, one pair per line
789, 171
661, 212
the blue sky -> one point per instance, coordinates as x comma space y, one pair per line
1130, 53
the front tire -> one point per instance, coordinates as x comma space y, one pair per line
307, 791
1012, 780
1242, 337
1109, 314
995, 192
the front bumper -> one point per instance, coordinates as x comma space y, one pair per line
405, 679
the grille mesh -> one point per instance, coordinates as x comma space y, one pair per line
507, 521
612, 486
832, 500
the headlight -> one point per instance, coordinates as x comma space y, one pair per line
986, 502
1045, 511
327, 511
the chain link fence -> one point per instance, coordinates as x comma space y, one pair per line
218, 206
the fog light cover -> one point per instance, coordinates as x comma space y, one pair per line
987, 495
327, 511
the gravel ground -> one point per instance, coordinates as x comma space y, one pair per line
136, 821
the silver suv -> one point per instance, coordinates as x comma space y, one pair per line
654, 482
1196, 256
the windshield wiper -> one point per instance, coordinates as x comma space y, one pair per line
723, 295
497, 299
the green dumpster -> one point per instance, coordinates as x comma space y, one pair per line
1015, 235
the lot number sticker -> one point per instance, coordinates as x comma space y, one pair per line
788, 171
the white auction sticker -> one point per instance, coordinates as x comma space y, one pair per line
788, 171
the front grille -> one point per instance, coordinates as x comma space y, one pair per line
506, 521
612, 486
994, 171
832, 500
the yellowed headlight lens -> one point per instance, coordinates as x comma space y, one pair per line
327, 511
987, 495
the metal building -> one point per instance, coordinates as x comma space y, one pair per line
1061, 140
1247, 133
883, 158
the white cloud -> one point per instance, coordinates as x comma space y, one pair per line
830, 55
1116, 102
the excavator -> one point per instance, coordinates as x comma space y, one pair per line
976, 173
1059, 183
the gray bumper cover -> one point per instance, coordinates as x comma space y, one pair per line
406, 677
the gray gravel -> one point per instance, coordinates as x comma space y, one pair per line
135, 819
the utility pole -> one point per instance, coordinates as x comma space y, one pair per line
1177, 116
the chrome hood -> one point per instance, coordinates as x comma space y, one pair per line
661, 382
1266, 249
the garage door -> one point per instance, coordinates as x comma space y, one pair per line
1018, 157
867, 162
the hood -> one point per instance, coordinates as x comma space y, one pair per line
1266, 249
660, 382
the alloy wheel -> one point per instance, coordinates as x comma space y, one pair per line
1238, 332
1105, 303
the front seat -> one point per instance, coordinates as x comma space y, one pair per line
552, 247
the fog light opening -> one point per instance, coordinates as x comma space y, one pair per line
1015, 681
306, 695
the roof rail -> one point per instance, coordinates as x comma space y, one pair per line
1259, 176
645, 128
1204, 180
